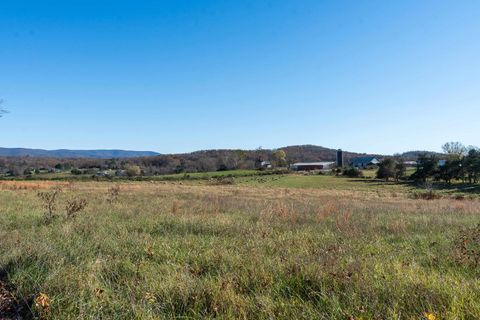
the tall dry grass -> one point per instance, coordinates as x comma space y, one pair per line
166, 250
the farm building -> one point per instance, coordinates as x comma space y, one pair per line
266, 165
307, 166
364, 162
410, 163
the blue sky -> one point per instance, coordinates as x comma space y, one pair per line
178, 76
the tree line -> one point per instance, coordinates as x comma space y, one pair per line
457, 163
200, 161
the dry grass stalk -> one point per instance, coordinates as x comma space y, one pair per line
175, 206
73, 207
113, 194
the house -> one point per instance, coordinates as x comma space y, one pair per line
410, 163
364, 162
121, 173
307, 166
105, 173
265, 165
101, 174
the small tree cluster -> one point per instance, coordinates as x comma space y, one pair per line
391, 168
458, 163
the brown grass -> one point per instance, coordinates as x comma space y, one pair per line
171, 250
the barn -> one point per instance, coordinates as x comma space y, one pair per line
364, 162
308, 166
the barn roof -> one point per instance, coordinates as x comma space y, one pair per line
362, 160
313, 163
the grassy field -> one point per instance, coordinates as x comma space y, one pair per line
324, 182
67, 176
366, 186
286, 247
277, 179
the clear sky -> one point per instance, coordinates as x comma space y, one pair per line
178, 76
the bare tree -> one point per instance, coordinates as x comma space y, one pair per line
454, 149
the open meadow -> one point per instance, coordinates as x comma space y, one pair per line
283, 247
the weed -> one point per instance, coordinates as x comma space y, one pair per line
175, 206
49, 200
427, 195
222, 180
325, 211
396, 227
282, 211
113, 194
343, 221
73, 207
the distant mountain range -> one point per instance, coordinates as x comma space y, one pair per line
64, 153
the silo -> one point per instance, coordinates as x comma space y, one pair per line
340, 158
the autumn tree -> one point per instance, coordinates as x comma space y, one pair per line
280, 157
133, 170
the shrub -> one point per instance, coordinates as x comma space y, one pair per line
352, 173
133, 170
76, 171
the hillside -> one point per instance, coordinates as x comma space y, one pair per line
413, 155
307, 153
17, 161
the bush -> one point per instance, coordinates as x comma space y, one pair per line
76, 171
133, 170
352, 173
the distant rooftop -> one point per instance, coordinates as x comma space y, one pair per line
322, 163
